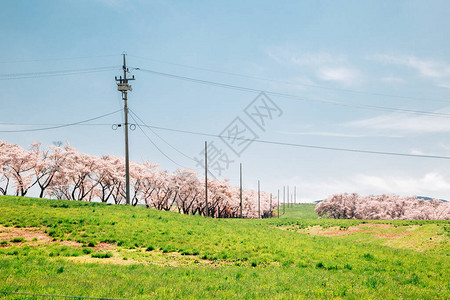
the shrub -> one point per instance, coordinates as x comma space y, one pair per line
87, 251
368, 256
102, 255
18, 240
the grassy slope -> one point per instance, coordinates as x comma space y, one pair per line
221, 257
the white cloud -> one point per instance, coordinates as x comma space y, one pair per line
436, 70
340, 74
405, 123
323, 65
336, 134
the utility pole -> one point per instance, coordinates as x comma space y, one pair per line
259, 202
287, 194
124, 87
295, 195
206, 179
284, 200
278, 198
270, 205
240, 188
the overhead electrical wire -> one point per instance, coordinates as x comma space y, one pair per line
155, 133
13, 76
153, 143
57, 58
222, 136
165, 141
290, 96
289, 82
304, 145
62, 125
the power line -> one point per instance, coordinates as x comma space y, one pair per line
60, 296
237, 138
156, 146
56, 59
290, 96
63, 125
305, 145
291, 83
13, 76
170, 145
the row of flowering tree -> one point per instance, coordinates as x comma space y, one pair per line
383, 207
65, 173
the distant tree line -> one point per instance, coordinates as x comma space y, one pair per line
383, 207
64, 173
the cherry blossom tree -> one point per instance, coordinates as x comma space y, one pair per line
383, 207
64, 173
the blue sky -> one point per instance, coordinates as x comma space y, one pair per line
358, 53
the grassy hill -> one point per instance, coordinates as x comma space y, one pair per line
99, 250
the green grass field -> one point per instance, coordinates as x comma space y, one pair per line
99, 250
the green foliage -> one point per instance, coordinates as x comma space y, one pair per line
101, 254
17, 240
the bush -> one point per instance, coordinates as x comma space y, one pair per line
87, 251
102, 255
18, 240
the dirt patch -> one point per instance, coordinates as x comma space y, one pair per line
142, 257
105, 247
336, 231
32, 236
116, 259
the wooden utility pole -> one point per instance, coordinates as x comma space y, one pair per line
278, 198
240, 189
206, 179
124, 87
295, 195
259, 202
270, 207
287, 194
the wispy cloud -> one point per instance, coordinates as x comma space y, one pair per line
437, 71
392, 80
340, 74
401, 123
324, 66
336, 134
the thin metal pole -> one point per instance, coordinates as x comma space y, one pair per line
259, 202
284, 200
240, 189
278, 198
206, 179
